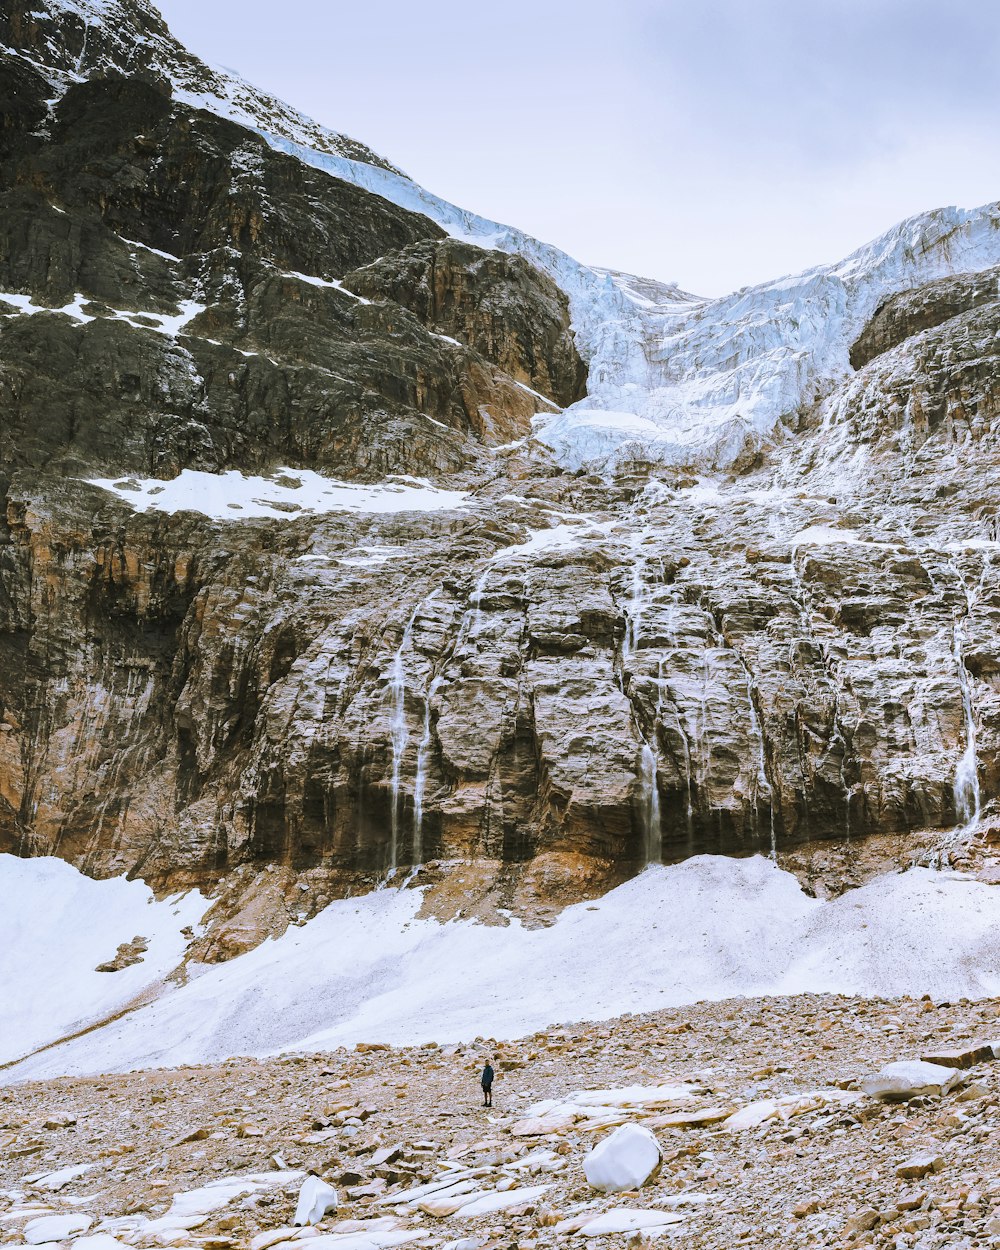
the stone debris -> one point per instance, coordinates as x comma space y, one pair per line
919, 1166
817, 1163
623, 1160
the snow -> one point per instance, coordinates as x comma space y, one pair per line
629, 1220
680, 380
623, 1160
331, 283
287, 493
171, 324
316, 1197
56, 926
368, 969
55, 1228
27, 307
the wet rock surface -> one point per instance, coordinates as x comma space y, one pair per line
574, 671
755, 1104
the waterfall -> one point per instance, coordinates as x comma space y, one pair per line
637, 602
420, 779
398, 733
966, 785
762, 778
477, 598
650, 804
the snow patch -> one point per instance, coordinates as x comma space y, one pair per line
234, 496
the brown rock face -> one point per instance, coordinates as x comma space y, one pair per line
560, 672
497, 304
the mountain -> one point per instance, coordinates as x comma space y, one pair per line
347, 532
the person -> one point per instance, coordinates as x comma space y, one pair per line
487, 1083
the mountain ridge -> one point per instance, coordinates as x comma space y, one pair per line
637, 576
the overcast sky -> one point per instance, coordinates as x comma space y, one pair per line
714, 143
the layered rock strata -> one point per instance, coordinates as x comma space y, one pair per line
620, 667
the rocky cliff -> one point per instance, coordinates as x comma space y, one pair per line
342, 538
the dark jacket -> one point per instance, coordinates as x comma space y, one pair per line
487, 1078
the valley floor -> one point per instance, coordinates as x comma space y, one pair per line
215, 1155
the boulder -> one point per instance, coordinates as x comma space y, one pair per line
316, 1197
920, 1166
910, 1078
623, 1160
963, 1057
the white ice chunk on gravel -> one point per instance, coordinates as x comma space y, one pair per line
910, 1078
629, 1220
316, 1197
219, 1194
499, 1200
287, 493
623, 1160
57, 1180
55, 1228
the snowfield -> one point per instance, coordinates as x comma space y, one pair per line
285, 494
56, 926
368, 969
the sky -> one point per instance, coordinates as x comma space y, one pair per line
713, 143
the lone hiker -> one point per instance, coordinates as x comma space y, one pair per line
486, 1081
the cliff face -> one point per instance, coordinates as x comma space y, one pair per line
528, 660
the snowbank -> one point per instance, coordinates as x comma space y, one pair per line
368, 969
288, 493
56, 926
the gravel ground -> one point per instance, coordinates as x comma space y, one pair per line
825, 1177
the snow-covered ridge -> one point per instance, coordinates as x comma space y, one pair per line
673, 378
131, 35
678, 379
368, 969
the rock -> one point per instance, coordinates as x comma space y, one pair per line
965, 1057
316, 1198
862, 1221
806, 1207
194, 1134
920, 1166
386, 1154
623, 1160
910, 1078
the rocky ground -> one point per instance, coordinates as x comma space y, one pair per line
215, 1156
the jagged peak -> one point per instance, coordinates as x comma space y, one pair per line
75, 39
